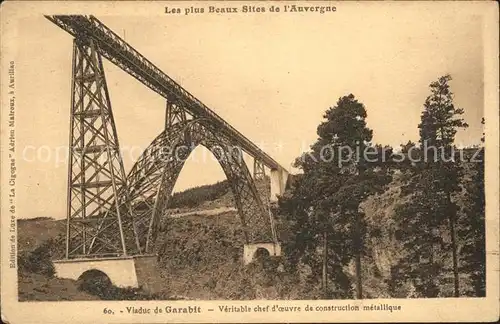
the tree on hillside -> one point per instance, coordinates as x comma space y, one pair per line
325, 206
472, 227
433, 182
316, 239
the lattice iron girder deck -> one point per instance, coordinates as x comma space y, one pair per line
116, 50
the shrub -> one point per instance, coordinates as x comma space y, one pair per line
95, 282
39, 260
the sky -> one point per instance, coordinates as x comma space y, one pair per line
272, 77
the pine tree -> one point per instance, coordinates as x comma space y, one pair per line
472, 227
312, 228
337, 178
419, 234
433, 182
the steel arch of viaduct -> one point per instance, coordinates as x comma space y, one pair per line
153, 177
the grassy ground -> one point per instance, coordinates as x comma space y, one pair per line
34, 232
38, 287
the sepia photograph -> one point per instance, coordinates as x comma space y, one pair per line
249, 161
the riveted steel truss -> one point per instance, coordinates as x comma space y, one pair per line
123, 55
264, 188
259, 172
153, 177
110, 214
96, 220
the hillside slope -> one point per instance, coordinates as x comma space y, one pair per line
200, 255
204, 237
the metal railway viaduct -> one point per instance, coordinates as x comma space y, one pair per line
113, 218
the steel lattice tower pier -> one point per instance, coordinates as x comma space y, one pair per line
98, 224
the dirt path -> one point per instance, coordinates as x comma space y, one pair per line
206, 212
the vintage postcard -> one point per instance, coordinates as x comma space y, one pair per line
249, 162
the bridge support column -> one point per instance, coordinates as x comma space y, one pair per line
253, 250
279, 178
137, 271
99, 217
259, 172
